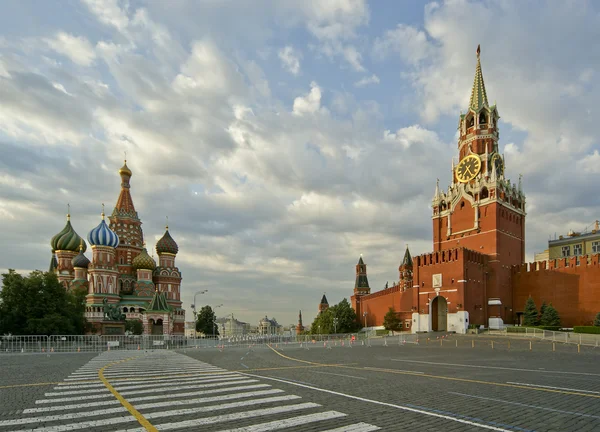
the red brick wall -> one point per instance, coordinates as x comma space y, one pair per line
573, 290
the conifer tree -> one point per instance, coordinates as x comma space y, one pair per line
391, 321
597, 320
530, 315
541, 314
550, 317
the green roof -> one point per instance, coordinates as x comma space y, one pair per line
159, 303
478, 94
407, 261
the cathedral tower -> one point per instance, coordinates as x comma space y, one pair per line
103, 271
125, 222
481, 209
65, 246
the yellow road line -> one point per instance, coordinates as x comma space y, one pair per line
444, 377
139, 417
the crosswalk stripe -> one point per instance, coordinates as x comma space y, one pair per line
294, 421
177, 382
70, 399
187, 387
211, 408
198, 393
85, 425
208, 399
357, 427
58, 417
235, 416
73, 406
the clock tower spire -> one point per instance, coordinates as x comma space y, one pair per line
481, 210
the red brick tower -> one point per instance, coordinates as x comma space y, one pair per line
324, 305
125, 222
482, 210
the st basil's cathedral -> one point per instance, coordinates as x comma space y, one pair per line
121, 277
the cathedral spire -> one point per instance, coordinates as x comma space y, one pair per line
124, 206
478, 94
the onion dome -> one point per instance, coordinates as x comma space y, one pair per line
125, 170
67, 239
80, 260
166, 244
143, 261
102, 235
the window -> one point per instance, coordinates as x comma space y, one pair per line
566, 251
407, 324
577, 249
596, 247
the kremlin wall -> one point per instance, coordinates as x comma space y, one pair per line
477, 273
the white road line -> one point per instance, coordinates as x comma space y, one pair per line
554, 388
140, 380
69, 416
70, 399
527, 405
235, 416
290, 422
395, 370
70, 386
85, 425
207, 399
127, 386
210, 408
404, 408
342, 375
74, 406
198, 393
495, 367
76, 392
357, 427
187, 387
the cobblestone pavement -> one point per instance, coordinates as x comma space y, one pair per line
165, 390
426, 387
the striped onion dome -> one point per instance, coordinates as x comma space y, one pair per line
166, 244
67, 239
102, 235
143, 261
80, 259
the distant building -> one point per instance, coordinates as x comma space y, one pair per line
268, 326
229, 327
190, 329
575, 244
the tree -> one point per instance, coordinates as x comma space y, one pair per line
550, 317
346, 320
134, 327
597, 320
391, 320
39, 304
205, 322
530, 315
542, 310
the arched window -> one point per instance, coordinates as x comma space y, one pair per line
485, 193
471, 121
482, 118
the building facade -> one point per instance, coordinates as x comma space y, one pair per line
123, 282
476, 273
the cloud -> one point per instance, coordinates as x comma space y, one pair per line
309, 104
373, 79
410, 43
77, 48
290, 59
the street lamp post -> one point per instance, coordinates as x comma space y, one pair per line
365, 315
335, 323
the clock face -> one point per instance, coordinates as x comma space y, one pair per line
468, 168
497, 161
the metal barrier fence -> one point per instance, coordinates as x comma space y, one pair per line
549, 335
95, 343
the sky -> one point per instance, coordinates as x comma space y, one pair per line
283, 139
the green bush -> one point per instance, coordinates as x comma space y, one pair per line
553, 328
586, 329
523, 329
516, 329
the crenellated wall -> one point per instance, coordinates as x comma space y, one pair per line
571, 284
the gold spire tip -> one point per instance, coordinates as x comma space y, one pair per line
102, 214
478, 50
68, 212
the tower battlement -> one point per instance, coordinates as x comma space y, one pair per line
450, 255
